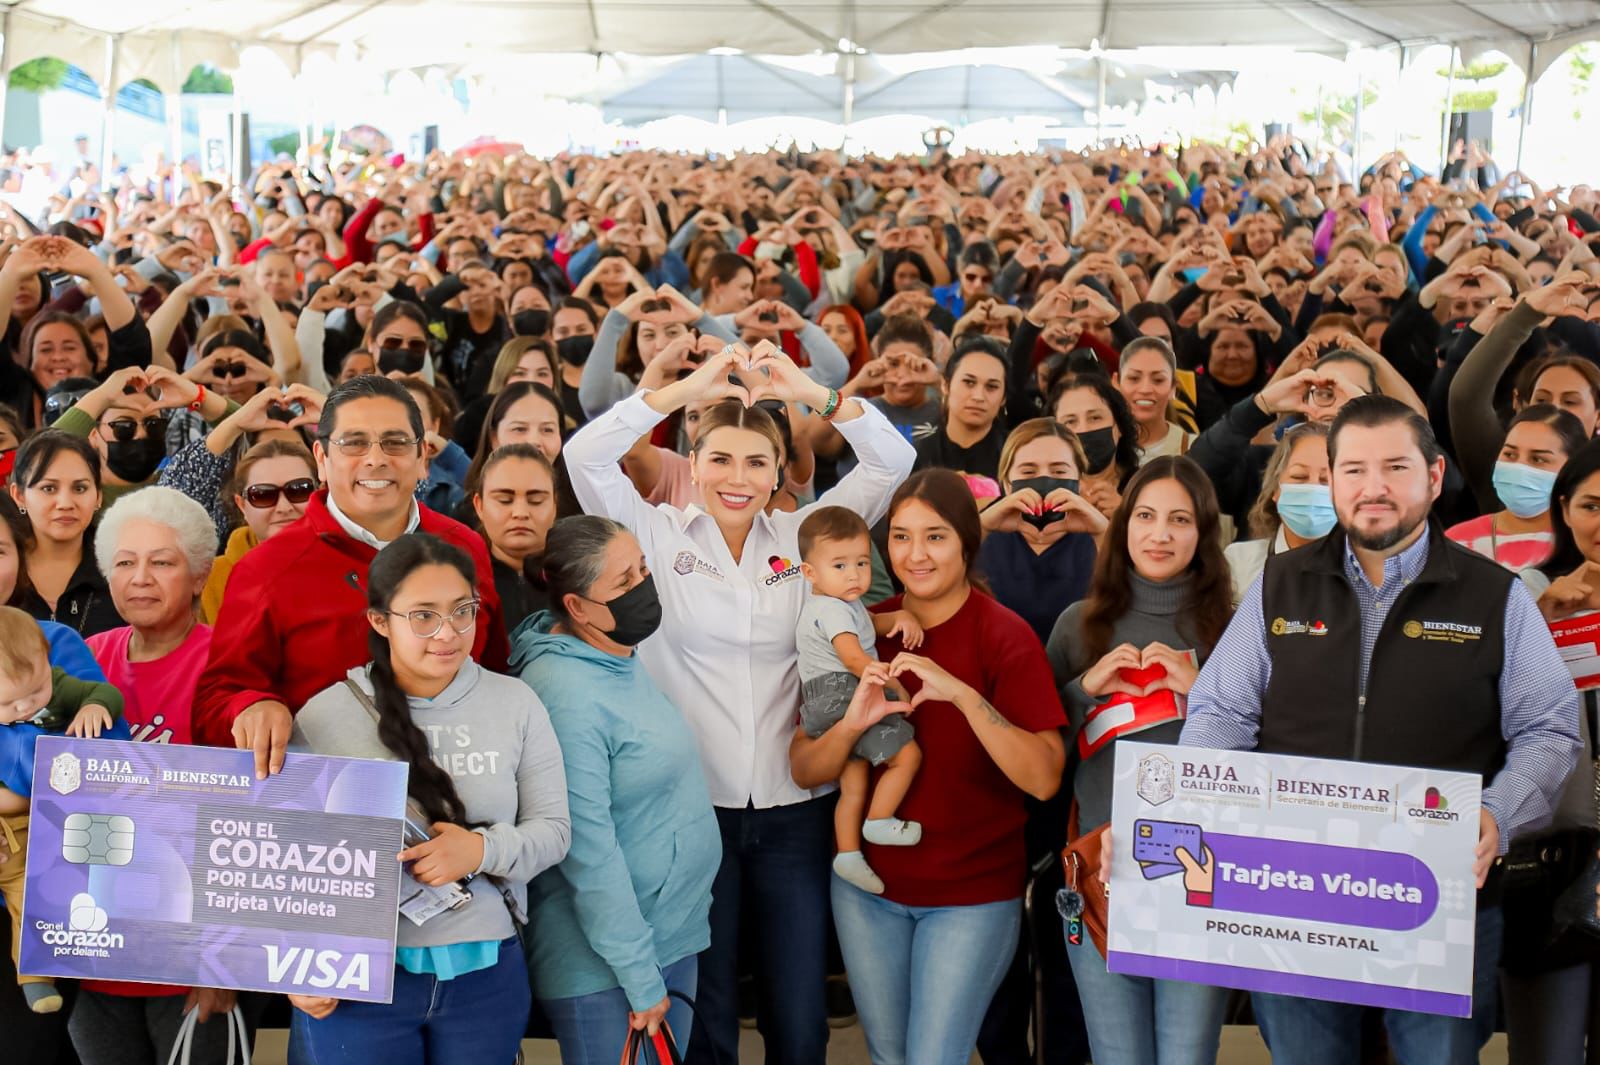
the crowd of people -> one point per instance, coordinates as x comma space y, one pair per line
735, 548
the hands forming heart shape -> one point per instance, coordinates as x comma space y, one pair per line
1137, 672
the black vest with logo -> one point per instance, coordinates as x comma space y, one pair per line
1432, 696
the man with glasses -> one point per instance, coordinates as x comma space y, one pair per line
290, 623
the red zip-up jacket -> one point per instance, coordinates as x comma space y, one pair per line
293, 620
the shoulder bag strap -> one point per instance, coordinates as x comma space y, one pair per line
519, 916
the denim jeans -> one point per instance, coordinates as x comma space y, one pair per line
1302, 1031
923, 976
1553, 1017
773, 880
475, 1018
592, 1028
1134, 1020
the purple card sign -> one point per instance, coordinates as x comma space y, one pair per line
1302, 876
174, 865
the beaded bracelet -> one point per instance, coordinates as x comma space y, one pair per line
832, 406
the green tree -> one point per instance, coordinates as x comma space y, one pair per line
1339, 115
206, 78
289, 143
1478, 99
1580, 64
39, 75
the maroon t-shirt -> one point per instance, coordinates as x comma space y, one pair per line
971, 850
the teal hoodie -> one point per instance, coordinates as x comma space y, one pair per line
633, 894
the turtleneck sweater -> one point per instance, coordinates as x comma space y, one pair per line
1153, 616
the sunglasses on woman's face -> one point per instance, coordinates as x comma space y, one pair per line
126, 429
415, 346
224, 370
265, 496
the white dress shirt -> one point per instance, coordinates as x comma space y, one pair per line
725, 652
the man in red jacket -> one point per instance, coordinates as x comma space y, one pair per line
291, 623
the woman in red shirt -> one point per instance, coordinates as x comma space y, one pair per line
926, 956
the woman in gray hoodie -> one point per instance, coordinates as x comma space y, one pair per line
486, 776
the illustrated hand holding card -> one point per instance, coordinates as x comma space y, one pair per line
1155, 845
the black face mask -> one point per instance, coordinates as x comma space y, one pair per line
1044, 486
1099, 448
530, 323
399, 360
574, 351
636, 613
135, 461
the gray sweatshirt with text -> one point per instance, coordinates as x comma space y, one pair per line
492, 735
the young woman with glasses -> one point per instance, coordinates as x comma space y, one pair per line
460, 982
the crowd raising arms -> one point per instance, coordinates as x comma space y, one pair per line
855, 484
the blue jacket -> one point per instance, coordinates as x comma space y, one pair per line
633, 894
68, 651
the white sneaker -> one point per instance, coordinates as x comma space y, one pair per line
892, 832
853, 868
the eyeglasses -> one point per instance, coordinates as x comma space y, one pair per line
264, 496
394, 445
126, 429
426, 624
221, 370
416, 345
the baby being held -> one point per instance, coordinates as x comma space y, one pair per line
837, 638
33, 692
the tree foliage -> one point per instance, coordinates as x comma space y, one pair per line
208, 79
39, 75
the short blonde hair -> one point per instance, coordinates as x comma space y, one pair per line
22, 643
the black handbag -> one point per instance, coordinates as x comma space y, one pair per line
1550, 883
1577, 909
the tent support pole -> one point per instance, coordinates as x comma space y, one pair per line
1100, 102
1405, 54
1527, 99
5, 72
849, 92
1355, 148
108, 116
235, 157
175, 114
1449, 105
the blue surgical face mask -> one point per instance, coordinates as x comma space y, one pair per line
1307, 509
1524, 490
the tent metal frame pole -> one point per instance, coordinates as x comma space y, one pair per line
1527, 99
1355, 147
5, 71
1400, 73
108, 114
1449, 106
1100, 102
175, 113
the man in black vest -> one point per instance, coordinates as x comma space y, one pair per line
1329, 656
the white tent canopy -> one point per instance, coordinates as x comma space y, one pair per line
736, 86
163, 39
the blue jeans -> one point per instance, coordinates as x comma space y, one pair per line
474, 1018
1302, 1031
592, 1028
1134, 1020
923, 976
773, 880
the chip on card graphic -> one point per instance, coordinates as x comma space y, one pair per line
97, 839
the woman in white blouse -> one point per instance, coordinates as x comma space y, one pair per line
1295, 506
728, 574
